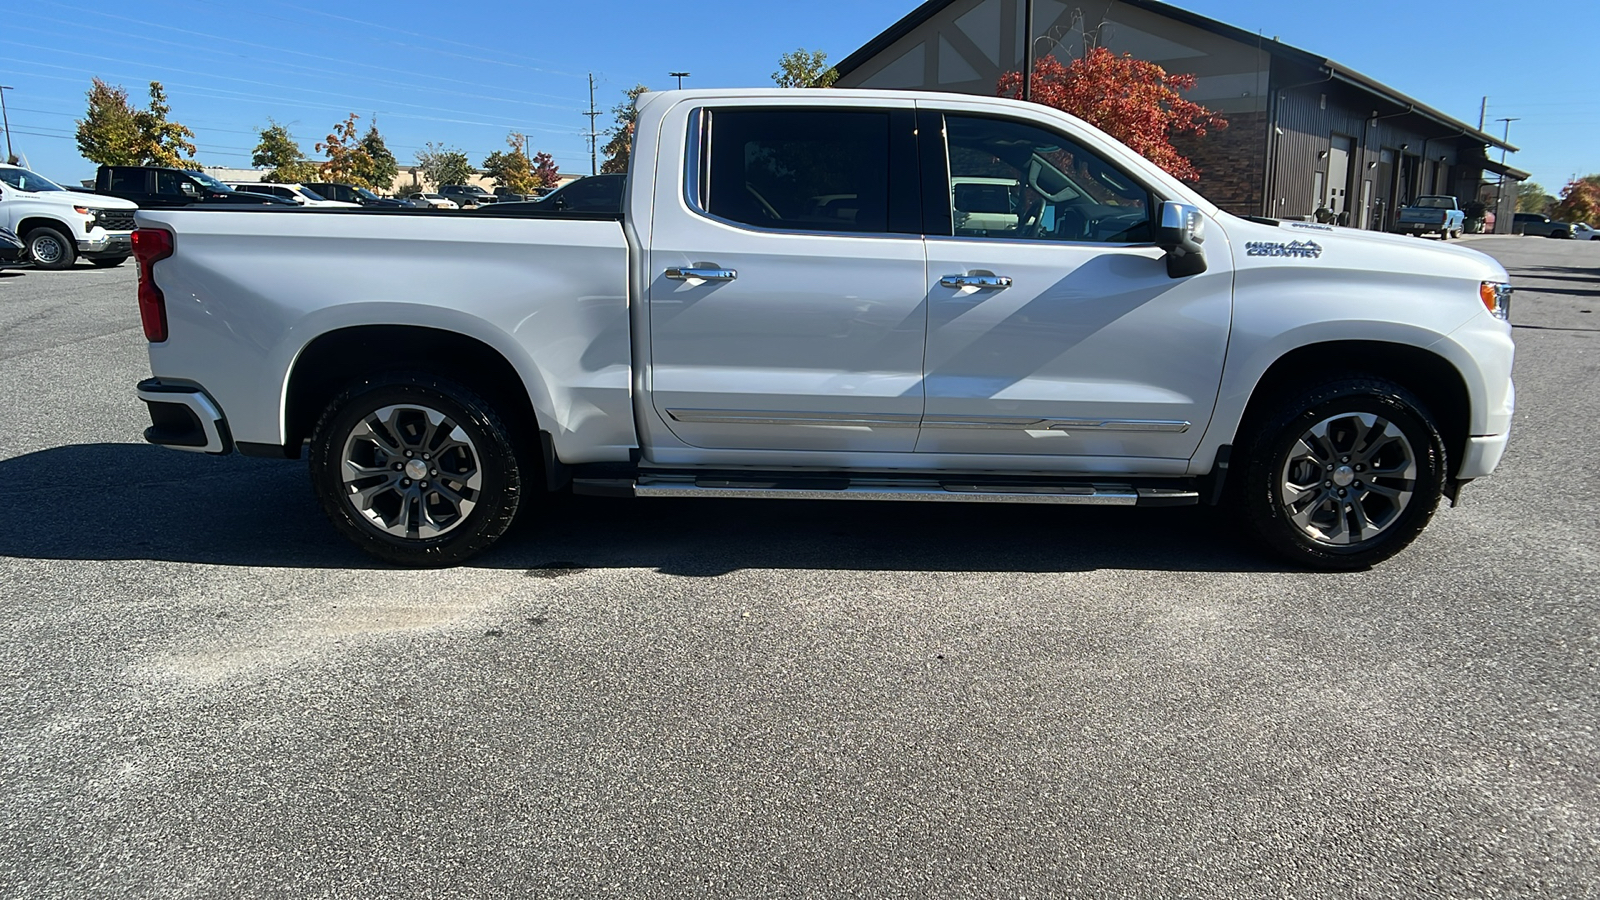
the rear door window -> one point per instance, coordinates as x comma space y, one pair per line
801, 170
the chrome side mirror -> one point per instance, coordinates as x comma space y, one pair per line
1181, 232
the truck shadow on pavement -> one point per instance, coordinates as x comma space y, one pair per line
138, 502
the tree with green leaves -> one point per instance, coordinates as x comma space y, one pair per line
545, 170
114, 133
165, 143
513, 170
805, 69
1532, 198
384, 168
442, 165
348, 161
108, 134
278, 152
621, 144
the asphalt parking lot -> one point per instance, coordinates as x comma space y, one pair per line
205, 692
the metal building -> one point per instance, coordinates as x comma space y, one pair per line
1304, 132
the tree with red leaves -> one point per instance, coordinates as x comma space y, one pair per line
1580, 201
1137, 102
545, 169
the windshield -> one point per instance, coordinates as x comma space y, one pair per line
1436, 202
366, 194
308, 193
208, 181
24, 180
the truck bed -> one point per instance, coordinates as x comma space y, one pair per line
246, 289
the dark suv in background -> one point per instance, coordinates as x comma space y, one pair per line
153, 187
1540, 226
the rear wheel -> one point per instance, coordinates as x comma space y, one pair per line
1345, 474
50, 248
416, 470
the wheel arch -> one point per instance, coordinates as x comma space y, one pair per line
337, 357
1433, 378
29, 223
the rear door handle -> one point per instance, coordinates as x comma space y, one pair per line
701, 273
982, 282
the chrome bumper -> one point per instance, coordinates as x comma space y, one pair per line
184, 418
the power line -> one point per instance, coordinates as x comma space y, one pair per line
322, 72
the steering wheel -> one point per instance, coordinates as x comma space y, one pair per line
1028, 220
768, 209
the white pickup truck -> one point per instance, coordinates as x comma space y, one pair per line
58, 225
790, 304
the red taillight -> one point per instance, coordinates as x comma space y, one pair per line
150, 245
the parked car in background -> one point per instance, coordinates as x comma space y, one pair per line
298, 194
1432, 214
595, 193
349, 193
1537, 225
155, 187
466, 196
430, 201
57, 225
1582, 232
12, 250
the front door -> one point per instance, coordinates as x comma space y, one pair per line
787, 302
1055, 330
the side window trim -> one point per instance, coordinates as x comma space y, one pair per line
905, 196
937, 201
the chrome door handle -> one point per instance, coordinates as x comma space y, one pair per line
982, 282
701, 273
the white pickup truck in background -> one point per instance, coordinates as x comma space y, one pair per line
791, 304
58, 225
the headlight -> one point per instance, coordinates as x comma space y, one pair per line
1496, 297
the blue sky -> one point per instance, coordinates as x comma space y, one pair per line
497, 67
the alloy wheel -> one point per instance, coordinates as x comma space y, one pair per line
411, 471
1348, 478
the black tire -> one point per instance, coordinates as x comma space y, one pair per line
1343, 504
108, 262
50, 248
458, 533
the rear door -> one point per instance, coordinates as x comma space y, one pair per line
1054, 328
786, 278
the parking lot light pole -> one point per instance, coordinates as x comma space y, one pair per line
680, 76
1027, 51
6, 121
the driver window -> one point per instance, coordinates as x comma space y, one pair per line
1015, 181
171, 184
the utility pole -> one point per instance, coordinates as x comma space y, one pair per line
1483, 109
1506, 139
1499, 190
6, 120
1027, 50
592, 114
680, 76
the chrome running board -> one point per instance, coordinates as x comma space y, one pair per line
954, 490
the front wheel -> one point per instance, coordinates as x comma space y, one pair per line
416, 470
50, 248
108, 262
1344, 475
